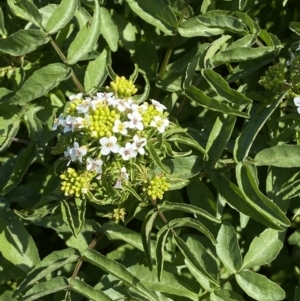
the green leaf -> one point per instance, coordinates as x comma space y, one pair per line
166, 206
187, 141
139, 98
17, 246
157, 13
217, 140
280, 156
117, 270
132, 191
211, 104
110, 30
9, 130
252, 25
160, 247
234, 196
49, 264
33, 124
193, 223
117, 232
23, 42
224, 22
225, 295
295, 27
155, 157
244, 142
193, 28
248, 185
259, 287
146, 233
228, 249
221, 87
86, 38
61, 16
40, 83
46, 288
3, 30
242, 54
80, 204
194, 261
297, 293
211, 50
89, 292
21, 165
67, 216
25, 9
183, 168
203, 256
170, 283
96, 72
272, 242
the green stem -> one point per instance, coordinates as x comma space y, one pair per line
91, 246
63, 58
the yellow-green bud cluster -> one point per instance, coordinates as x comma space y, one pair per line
122, 87
74, 183
274, 79
101, 122
118, 214
72, 108
157, 187
150, 113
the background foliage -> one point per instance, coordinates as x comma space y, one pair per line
229, 228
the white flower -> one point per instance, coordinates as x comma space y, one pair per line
79, 123
75, 96
120, 127
109, 145
135, 121
297, 103
94, 165
160, 123
58, 121
85, 105
127, 152
138, 144
139, 109
68, 124
158, 106
107, 98
76, 152
123, 175
124, 104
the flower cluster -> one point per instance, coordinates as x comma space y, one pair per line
106, 130
74, 183
156, 187
284, 78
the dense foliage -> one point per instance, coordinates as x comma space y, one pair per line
150, 150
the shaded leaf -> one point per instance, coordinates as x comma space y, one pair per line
40, 83
156, 13
228, 249
23, 41
280, 156
86, 38
272, 242
46, 288
244, 142
61, 16
117, 270
210, 103
50, 263
259, 287
109, 30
